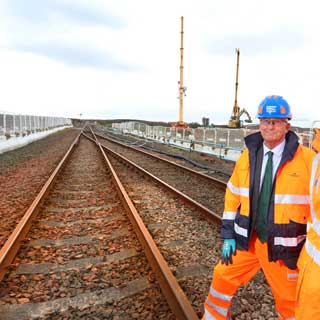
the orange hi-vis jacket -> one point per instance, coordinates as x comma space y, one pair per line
289, 207
312, 245
308, 287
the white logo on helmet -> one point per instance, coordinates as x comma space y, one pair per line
271, 109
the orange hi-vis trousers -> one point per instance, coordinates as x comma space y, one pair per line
308, 289
227, 279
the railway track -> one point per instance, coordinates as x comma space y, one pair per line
189, 243
204, 189
84, 259
24, 171
82, 256
209, 165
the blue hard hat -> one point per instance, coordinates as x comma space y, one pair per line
274, 107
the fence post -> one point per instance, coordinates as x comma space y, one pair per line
14, 124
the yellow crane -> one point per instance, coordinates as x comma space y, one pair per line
182, 89
235, 121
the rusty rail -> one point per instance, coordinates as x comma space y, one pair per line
208, 214
219, 183
12, 245
171, 289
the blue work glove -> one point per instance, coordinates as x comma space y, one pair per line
228, 249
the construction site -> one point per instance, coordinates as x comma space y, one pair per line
133, 219
225, 141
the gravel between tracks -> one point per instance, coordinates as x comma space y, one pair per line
212, 162
24, 171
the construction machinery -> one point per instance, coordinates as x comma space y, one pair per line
235, 121
182, 89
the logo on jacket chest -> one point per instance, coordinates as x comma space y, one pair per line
294, 175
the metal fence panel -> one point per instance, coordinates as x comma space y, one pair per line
17, 124
2, 124
9, 123
225, 139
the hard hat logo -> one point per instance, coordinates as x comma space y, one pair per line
271, 109
274, 107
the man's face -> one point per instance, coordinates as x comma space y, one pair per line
273, 131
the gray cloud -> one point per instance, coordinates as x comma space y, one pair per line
46, 12
275, 41
29, 22
78, 56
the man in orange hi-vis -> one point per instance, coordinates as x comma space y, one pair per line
308, 288
265, 214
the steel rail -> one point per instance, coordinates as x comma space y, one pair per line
13, 243
219, 183
94, 135
171, 289
208, 214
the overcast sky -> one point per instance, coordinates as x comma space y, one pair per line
121, 58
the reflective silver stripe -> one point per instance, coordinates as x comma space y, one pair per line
313, 252
292, 275
312, 178
238, 191
219, 295
283, 318
239, 230
316, 226
288, 242
222, 311
208, 315
229, 215
291, 199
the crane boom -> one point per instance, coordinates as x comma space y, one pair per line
234, 121
181, 88
235, 106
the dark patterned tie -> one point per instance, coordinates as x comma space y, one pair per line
264, 200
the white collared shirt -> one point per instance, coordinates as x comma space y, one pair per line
277, 154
